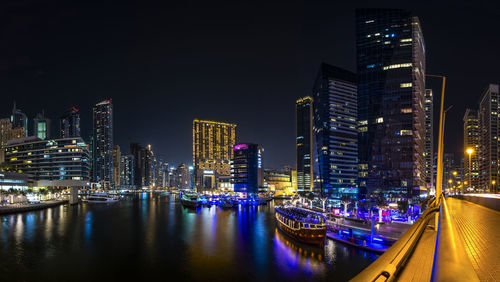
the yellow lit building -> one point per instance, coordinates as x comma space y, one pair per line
281, 181
213, 144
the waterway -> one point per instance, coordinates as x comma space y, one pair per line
152, 235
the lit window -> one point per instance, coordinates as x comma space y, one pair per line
406, 40
363, 129
405, 132
397, 66
379, 120
363, 122
406, 85
406, 111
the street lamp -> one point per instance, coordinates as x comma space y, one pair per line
493, 185
470, 151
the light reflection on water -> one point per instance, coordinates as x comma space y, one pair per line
149, 235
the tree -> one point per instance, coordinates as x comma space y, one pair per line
345, 200
379, 201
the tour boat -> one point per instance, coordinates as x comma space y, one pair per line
301, 224
190, 200
102, 198
227, 203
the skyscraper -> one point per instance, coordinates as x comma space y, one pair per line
335, 112
143, 165
117, 155
102, 143
70, 123
391, 90
304, 143
127, 172
471, 140
41, 126
246, 168
212, 151
19, 119
488, 139
429, 139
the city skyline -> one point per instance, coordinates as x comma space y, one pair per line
163, 84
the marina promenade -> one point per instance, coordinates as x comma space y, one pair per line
15, 208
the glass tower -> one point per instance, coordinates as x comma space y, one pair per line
102, 144
391, 89
304, 143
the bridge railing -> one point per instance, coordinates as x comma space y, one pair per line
387, 266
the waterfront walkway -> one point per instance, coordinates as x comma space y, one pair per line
15, 208
479, 230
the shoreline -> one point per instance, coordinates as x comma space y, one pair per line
5, 210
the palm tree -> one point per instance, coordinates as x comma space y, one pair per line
379, 201
323, 197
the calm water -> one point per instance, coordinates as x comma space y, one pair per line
151, 236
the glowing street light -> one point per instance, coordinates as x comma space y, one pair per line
470, 151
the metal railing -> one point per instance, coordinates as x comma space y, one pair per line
387, 266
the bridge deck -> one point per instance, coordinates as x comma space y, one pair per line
479, 229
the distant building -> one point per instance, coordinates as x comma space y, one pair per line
19, 119
304, 143
488, 139
212, 151
102, 144
280, 181
429, 140
54, 162
182, 177
246, 168
17, 132
391, 116
336, 136
70, 123
127, 172
471, 140
117, 155
41, 126
143, 165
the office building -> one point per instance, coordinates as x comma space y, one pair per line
182, 177
19, 119
127, 172
70, 123
246, 168
471, 141
488, 139
391, 91
102, 144
41, 126
143, 165
429, 141
280, 181
304, 143
212, 151
336, 138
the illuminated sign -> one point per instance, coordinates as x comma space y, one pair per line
240, 147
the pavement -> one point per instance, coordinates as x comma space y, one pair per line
479, 229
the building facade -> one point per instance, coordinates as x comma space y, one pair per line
54, 162
143, 165
41, 126
488, 139
127, 172
70, 123
391, 90
213, 144
246, 168
19, 120
471, 140
102, 144
429, 141
280, 181
304, 143
336, 140
117, 155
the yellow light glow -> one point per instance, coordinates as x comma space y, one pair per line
470, 151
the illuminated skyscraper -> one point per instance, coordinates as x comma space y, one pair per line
488, 139
336, 137
127, 172
391, 90
304, 143
471, 140
246, 168
102, 143
41, 126
117, 155
429, 139
70, 123
212, 151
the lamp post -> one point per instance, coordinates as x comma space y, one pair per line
470, 151
493, 182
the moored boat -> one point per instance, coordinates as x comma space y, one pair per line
190, 200
301, 224
102, 198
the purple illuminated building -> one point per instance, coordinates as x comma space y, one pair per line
246, 168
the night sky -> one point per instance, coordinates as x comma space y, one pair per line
244, 62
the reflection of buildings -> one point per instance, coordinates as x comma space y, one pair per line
391, 89
246, 168
212, 151
304, 143
471, 140
280, 181
58, 162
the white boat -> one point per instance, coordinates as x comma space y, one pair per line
102, 198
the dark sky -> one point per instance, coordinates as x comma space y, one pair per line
243, 61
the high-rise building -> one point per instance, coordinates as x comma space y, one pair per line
471, 140
117, 156
182, 177
336, 139
127, 172
429, 140
488, 139
143, 165
391, 90
19, 119
212, 151
280, 181
160, 173
102, 144
41, 126
304, 143
70, 123
5, 128
246, 168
